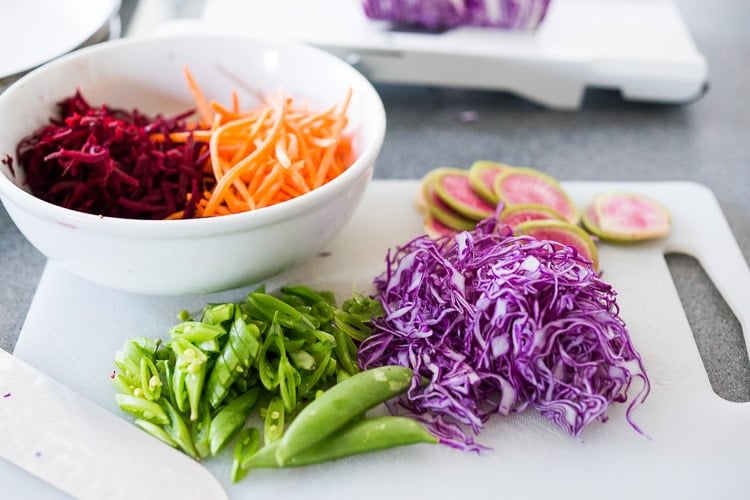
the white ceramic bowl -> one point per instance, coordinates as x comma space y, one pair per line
198, 255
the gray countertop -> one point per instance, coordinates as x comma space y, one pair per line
608, 139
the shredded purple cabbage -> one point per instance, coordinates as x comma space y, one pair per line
496, 323
443, 14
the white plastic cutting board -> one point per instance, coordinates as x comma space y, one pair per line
641, 47
698, 446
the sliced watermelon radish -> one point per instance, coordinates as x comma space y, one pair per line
436, 229
440, 210
624, 217
452, 185
527, 185
482, 175
516, 214
563, 233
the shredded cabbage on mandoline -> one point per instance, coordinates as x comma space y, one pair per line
496, 323
444, 14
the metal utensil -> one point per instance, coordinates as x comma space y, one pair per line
84, 450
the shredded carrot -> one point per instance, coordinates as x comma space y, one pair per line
266, 155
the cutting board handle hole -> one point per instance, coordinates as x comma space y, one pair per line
722, 346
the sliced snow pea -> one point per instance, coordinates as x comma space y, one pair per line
189, 375
230, 419
351, 325
155, 430
302, 360
340, 404
343, 352
268, 307
360, 436
150, 381
322, 306
321, 359
200, 430
268, 365
362, 307
142, 408
289, 381
178, 430
217, 314
273, 425
247, 445
237, 354
196, 331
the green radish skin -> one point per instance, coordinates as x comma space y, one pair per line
482, 175
626, 217
516, 214
563, 233
441, 211
452, 186
436, 229
521, 185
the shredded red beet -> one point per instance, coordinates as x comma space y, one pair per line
104, 161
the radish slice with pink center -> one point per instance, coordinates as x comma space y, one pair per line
438, 209
516, 214
622, 217
563, 233
453, 187
526, 185
482, 175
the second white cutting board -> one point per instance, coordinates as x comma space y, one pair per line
698, 446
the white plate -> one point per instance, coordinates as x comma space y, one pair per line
36, 31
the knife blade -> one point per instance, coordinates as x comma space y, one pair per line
84, 450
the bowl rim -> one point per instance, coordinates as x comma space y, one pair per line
225, 224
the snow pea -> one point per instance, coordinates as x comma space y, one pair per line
247, 445
236, 356
200, 430
230, 419
150, 381
268, 307
155, 430
178, 430
360, 436
340, 404
142, 408
273, 425
190, 368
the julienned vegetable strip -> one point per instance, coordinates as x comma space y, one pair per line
496, 324
269, 154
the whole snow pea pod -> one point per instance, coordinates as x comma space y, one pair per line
230, 419
360, 436
340, 404
155, 430
273, 425
142, 408
178, 430
269, 306
247, 445
237, 354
